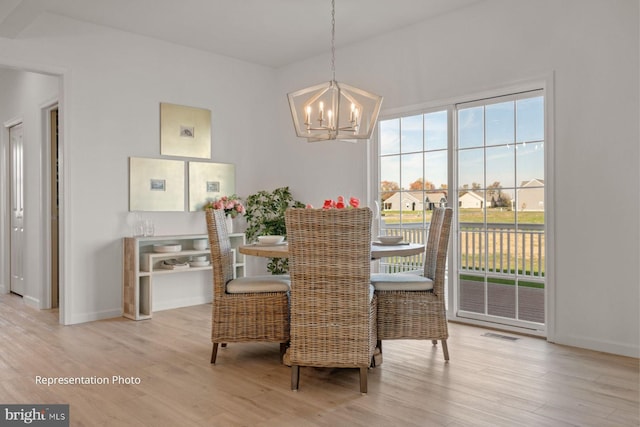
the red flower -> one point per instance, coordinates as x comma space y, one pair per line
328, 204
339, 203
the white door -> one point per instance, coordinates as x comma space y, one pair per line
17, 210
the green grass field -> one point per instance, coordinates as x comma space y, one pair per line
494, 215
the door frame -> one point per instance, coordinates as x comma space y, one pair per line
47, 158
546, 83
44, 214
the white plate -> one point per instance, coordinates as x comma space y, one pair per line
270, 239
270, 244
199, 263
390, 244
167, 248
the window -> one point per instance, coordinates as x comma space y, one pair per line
413, 176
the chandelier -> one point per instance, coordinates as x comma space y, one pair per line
332, 110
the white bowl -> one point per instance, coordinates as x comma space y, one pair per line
389, 240
199, 263
167, 248
200, 244
270, 240
199, 258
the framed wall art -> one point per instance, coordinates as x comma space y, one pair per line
185, 131
156, 185
209, 181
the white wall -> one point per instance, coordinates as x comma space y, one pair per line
113, 84
24, 94
591, 47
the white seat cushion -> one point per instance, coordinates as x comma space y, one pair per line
400, 282
257, 284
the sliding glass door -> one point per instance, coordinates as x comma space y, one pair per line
486, 159
501, 212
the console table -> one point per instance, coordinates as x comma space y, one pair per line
141, 265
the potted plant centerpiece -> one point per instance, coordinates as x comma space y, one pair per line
265, 216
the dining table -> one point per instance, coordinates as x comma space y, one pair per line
378, 250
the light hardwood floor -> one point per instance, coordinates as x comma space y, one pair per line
488, 382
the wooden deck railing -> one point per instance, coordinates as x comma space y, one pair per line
499, 249
502, 249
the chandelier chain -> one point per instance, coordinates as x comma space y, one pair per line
333, 39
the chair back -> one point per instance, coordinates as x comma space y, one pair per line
221, 255
330, 265
437, 247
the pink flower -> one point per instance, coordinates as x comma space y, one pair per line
309, 206
231, 205
340, 205
354, 202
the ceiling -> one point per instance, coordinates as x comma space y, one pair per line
268, 32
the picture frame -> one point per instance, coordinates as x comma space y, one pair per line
185, 131
209, 181
156, 185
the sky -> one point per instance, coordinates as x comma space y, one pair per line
502, 141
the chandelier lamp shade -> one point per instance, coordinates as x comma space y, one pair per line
332, 110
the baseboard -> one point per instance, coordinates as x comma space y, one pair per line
31, 302
110, 314
611, 347
183, 302
91, 317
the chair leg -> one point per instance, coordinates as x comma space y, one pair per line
434, 342
445, 350
363, 380
214, 352
224, 344
376, 359
295, 377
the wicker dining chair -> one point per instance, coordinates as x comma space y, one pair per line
333, 307
412, 306
245, 309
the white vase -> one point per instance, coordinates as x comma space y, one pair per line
229, 222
